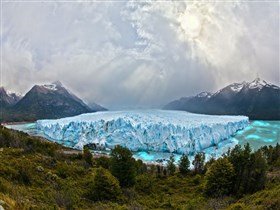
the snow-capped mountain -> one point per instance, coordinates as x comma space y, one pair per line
257, 84
8, 98
257, 99
204, 94
49, 101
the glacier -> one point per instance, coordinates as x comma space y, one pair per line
144, 130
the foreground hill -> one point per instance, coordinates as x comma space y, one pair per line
257, 100
50, 101
41, 175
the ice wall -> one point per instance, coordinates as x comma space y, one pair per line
148, 130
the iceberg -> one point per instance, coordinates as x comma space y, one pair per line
144, 130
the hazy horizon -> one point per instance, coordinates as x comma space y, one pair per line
138, 54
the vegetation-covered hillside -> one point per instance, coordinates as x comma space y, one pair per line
36, 174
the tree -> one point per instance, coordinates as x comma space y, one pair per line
239, 162
271, 154
88, 156
249, 169
123, 166
219, 178
256, 173
171, 168
184, 164
198, 163
103, 161
158, 171
104, 187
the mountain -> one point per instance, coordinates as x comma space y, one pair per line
257, 100
8, 98
50, 101
193, 103
97, 107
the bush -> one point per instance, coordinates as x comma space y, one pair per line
104, 187
196, 179
103, 162
144, 184
3, 185
219, 178
67, 196
237, 206
24, 175
15, 139
123, 166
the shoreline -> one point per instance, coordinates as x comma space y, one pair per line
17, 123
65, 150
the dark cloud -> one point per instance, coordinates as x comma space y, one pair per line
129, 54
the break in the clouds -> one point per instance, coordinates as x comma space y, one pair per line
139, 54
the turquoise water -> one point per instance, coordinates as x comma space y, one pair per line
257, 133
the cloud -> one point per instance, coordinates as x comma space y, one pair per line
138, 54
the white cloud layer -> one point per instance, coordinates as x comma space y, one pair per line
138, 54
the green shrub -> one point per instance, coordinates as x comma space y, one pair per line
144, 184
196, 179
237, 206
123, 166
103, 162
3, 185
219, 178
104, 186
24, 175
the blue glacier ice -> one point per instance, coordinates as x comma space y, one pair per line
144, 130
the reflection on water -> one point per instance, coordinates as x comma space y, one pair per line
257, 133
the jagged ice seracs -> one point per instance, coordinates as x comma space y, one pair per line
144, 130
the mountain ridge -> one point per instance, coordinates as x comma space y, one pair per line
8, 98
48, 101
257, 100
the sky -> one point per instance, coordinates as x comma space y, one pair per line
138, 54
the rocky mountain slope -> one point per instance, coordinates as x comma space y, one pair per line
8, 98
257, 100
50, 101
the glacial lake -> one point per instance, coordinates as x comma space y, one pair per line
257, 134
